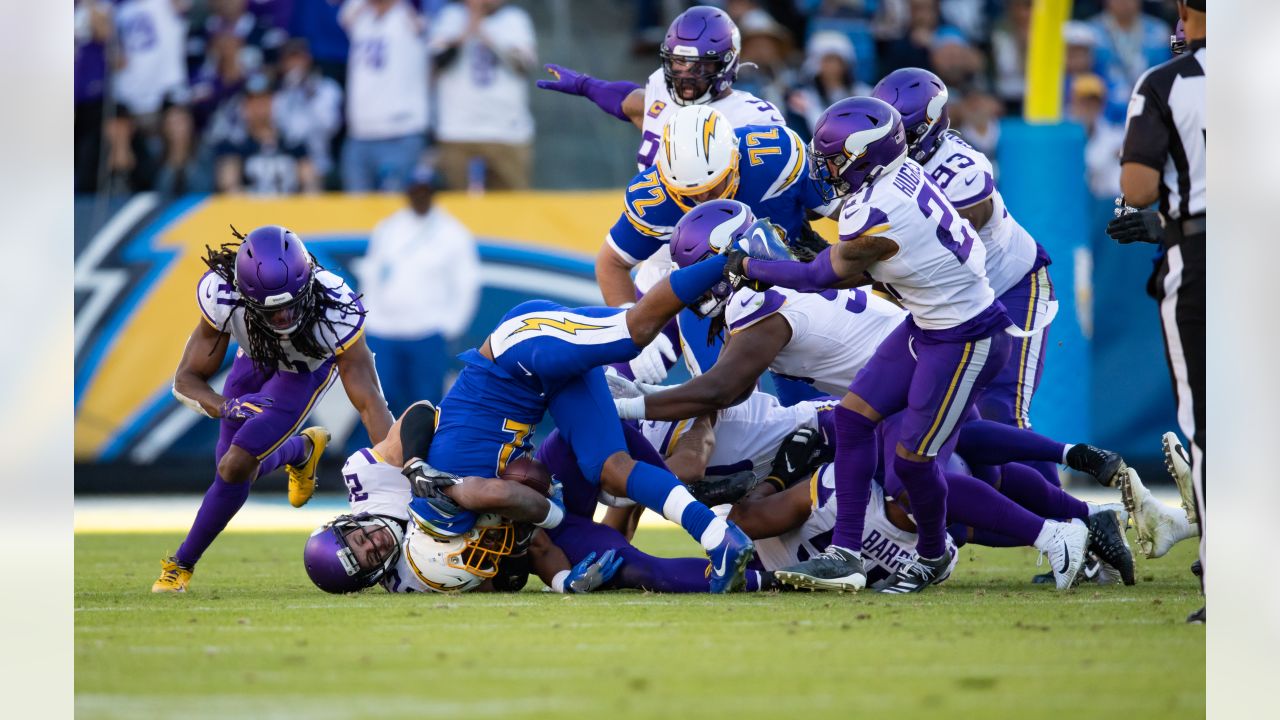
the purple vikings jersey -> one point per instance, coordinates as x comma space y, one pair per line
220, 307
772, 181
939, 271
885, 547
833, 333
966, 177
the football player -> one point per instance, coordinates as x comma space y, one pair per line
299, 328
545, 357
1017, 266
896, 227
377, 543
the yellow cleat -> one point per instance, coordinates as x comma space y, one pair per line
173, 577
302, 479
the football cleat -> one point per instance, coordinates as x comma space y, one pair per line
729, 560
1105, 466
1107, 542
1159, 527
174, 577
915, 576
1197, 617
302, 478
725, 490
1066, 550
1179, 466
1096, 571
835, 569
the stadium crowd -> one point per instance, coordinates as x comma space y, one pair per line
289, 96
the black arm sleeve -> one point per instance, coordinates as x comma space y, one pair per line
417, 428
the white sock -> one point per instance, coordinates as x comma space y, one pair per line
1066, 449
714, 533
1046, 533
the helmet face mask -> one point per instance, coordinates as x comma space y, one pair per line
856, 142
352, 552
700, 55
285, 315
461, 562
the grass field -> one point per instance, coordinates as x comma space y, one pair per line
253, 639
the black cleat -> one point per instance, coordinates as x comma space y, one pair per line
835, 569
1197, 617
1103, 465
725, 490
916, 576
1042, 579
1106, 540
1196, 569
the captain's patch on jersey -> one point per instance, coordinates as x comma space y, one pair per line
656, 108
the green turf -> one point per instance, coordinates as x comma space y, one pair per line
252, 639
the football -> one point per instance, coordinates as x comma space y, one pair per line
531, 473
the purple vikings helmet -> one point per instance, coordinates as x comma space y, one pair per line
273, 275
1178, 40
855, 142
705, 231
921, 98
700, 55
331, 552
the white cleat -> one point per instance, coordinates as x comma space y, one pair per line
1159, 527
1066, 550
1179, 466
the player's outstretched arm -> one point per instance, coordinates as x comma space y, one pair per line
360, 378
613, 274
744, 358
200, 361
621, 99
842, 265
773, 514
502, 497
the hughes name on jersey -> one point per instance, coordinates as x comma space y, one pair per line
221, 307
833, 333
772, 180
939, 270
966, 177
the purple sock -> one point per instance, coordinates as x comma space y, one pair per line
994, 539
1029, 489
1048, 470
641, 571
222, 501
856, 460
291, 452
980, 506
986, 442
927, 490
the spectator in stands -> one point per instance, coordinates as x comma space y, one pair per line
1102, 150
260, 41
914, 47
308, 105
387, 79
768, 45
316, 21
263, 163
219, 78
151, 95
1009, 54
93, 31
483, 51
421, 285
957, 63
1129, 42
829, 76
977, 117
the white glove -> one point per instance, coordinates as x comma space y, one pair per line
648, 366
619, 386
630, 408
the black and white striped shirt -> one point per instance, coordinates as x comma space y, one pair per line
1165, 130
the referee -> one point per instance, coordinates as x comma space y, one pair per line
1164, 159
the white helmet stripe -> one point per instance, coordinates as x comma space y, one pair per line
722, 234
934, 111
856, 144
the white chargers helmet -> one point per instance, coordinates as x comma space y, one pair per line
698, 156
461, 562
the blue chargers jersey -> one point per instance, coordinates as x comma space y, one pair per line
773, 181
486, 420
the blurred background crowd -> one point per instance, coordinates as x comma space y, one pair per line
301, 96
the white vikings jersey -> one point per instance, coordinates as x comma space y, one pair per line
739, 108
885, 546
220, 306
480, 96
387, 72
377, 488
833, 333
748, 434
939, 272
967, 178
153, 37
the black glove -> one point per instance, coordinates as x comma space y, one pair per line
1138, 226
429, 483
795, 457
725, 490
807, 246
734, 272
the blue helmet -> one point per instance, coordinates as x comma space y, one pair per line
921, 98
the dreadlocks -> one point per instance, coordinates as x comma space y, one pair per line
265, 344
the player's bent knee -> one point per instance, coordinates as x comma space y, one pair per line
237, 465
906, 454
853, 402
613, 476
